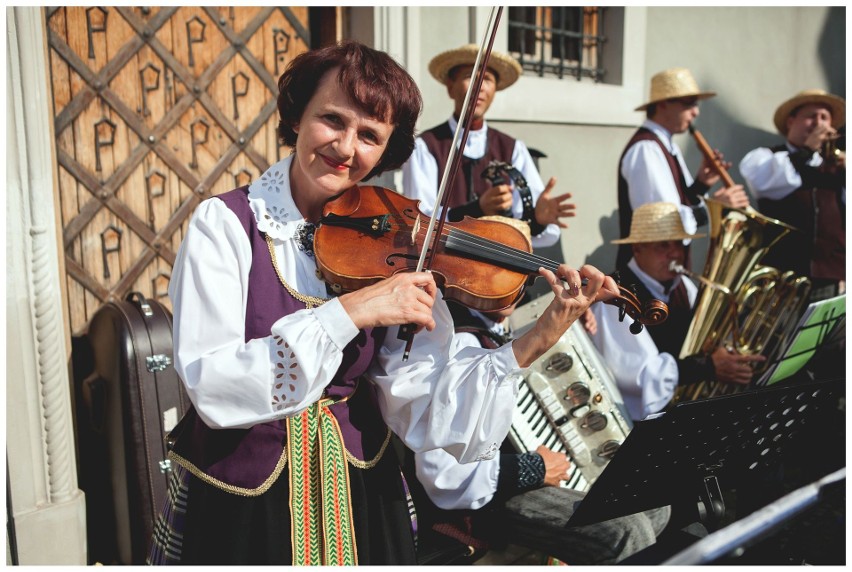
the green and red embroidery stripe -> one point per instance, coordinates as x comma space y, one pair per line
320, 499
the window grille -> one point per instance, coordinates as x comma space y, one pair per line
558, 41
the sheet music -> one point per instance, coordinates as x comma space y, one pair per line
817, 322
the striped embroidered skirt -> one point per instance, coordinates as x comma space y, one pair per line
202, 524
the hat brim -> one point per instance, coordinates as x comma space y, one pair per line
640, 239
699, 95
505, 67
836, 104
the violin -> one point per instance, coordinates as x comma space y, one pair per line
369, 233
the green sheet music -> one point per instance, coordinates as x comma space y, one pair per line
816, 323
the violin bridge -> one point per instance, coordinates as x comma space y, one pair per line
415, 228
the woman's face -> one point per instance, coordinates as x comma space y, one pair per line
338, 144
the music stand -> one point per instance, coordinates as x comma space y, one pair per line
822, 325
757, 526
690, 452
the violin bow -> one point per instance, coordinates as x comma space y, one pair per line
439, 214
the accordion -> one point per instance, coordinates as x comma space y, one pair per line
568, 402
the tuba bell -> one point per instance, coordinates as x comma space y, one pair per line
741, 304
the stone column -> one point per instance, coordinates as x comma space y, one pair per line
48, 510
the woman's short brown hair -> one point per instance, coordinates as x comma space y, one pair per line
374, 81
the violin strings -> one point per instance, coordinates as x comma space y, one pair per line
494, 251
501, 251
491, 250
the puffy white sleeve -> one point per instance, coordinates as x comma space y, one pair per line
768, 174
523, 162
649, 180
452, 485
646, 378
462, 403
233, 382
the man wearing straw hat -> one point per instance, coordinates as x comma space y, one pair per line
646, 367
470, 194
803, 182
652, 167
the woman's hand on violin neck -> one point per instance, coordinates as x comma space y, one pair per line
405, 298
570, 301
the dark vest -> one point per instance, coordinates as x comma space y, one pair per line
465, 322
668, 336
247, 457
625, 211
816, 209
468, 183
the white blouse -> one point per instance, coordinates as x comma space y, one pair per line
463, 404
649, 177
646, 377
421, 179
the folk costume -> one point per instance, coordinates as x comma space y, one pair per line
652, 167
284, 456
792, 186
646, 366
504, 500
421, 174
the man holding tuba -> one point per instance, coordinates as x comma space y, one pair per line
646, 366
802, 182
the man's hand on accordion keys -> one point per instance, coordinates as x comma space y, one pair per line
556, 466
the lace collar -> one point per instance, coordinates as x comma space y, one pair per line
271, 201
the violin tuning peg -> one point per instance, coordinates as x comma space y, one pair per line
636, 327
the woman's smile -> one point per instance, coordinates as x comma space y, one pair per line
334, 164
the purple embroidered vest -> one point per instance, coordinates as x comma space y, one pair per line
247, 457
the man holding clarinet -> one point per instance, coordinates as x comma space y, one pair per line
652, 167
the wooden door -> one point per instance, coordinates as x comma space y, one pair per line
155, 110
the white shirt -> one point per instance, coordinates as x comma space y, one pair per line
421, 179
649, 177
463, 404
449, 484
646, 377
771, 175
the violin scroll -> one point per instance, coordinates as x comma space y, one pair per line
650, 313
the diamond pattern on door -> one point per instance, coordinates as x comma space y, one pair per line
156, 109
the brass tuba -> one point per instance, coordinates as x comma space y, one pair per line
740, 304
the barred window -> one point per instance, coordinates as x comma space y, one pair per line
558, 41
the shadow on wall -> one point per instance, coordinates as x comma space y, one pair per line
732, 138
603, 257
832, 50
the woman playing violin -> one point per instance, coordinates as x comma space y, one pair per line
284, 457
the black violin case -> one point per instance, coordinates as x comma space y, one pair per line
126, 405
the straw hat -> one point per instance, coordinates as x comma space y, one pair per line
674, 83
656, 222
507, 69
836, 104
521, 225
